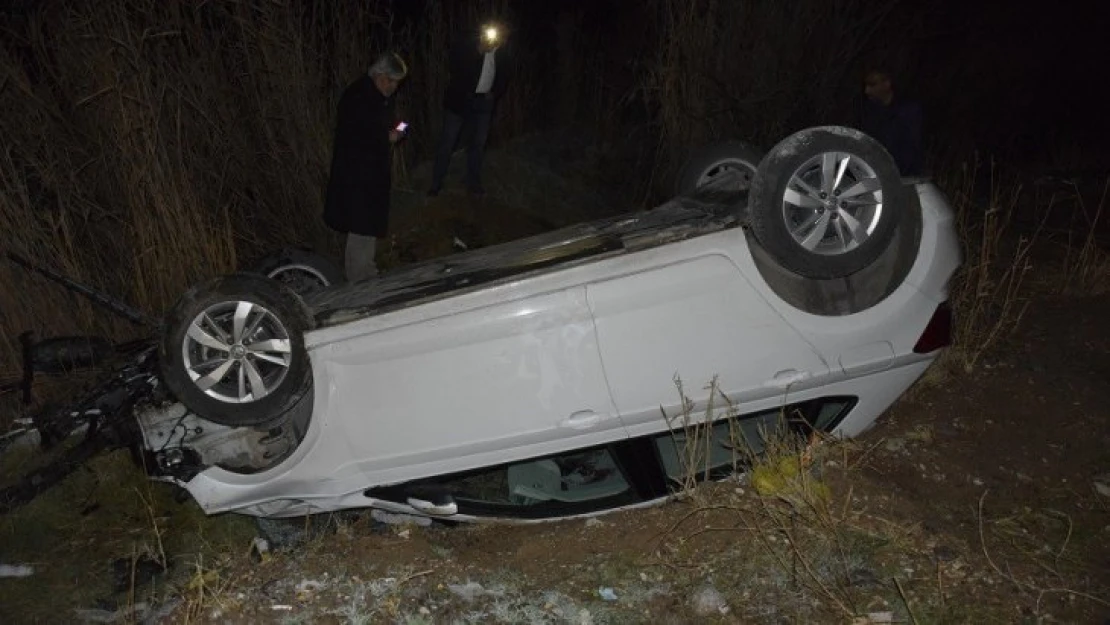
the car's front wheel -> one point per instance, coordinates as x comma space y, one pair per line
233, 350
825, 202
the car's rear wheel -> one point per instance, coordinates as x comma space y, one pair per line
709, 162
825, 202
233, 350
303, 271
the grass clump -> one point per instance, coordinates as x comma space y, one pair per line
87, 536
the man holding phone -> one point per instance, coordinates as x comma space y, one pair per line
359, 186
479, 68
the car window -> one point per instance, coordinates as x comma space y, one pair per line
618, 474
579, 477
733, 441
828, 413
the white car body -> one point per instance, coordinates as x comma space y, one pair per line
573, 356
587, 354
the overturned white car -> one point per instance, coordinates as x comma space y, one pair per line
533, 379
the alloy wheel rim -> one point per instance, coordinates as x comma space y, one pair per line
832, 203
237, 352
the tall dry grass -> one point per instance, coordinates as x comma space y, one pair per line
1086, 265
990, 291
151, 144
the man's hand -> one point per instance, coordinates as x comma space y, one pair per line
395, 136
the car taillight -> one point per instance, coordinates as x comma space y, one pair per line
938, 333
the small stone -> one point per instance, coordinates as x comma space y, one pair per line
1103, 488
307, 589
863, 577
944, 553
16, 570
468, 591
708, 601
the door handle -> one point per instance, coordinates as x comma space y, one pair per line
787, 377
581, 420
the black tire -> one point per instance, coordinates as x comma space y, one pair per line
278, 326
827, 251
303, 271
707, 161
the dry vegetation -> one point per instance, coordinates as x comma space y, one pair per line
149, 144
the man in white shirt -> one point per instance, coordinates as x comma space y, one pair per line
479, 75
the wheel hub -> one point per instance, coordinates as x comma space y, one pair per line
832, 203
237, 351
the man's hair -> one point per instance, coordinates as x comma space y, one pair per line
391, 65
879, 70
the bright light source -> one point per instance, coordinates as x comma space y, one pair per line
491, 34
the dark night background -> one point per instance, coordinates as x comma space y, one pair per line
1017, 79
149, 144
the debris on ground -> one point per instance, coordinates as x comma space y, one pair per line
708, 601
307, 589
16, 570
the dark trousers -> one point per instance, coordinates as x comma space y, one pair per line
476, 122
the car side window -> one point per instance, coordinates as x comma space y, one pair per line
732, 442
579, 479
622, 473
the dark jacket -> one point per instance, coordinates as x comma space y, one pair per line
359, 185
466, 68
898, 127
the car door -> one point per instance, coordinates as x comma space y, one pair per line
694, 319
495, 382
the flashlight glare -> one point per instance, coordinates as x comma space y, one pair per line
491, 33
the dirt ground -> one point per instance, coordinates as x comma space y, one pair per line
982, 496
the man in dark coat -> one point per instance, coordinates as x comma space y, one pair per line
479, 66
359, 186
894, 122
